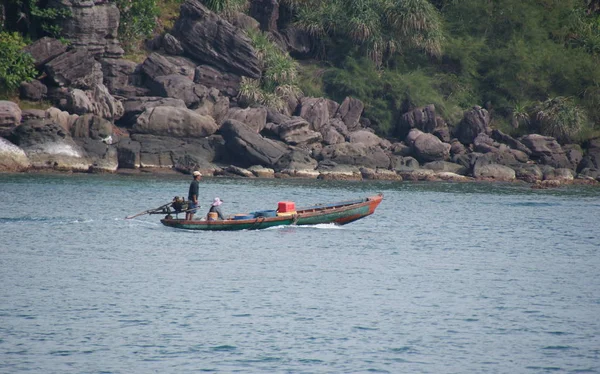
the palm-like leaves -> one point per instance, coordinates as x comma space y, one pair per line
559, 117
226, 8
380, 27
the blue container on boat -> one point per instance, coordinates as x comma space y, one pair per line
243, 216
265, 213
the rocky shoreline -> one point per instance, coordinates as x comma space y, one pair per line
178, 111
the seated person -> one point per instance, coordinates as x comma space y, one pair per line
215, 207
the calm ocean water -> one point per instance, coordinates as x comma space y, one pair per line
444, 278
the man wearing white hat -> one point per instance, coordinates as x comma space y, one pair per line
193, 195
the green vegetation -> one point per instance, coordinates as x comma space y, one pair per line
16, 66
137, 22
278, 83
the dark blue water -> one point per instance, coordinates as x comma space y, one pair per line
444, 278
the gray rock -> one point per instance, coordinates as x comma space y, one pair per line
33, 91
529, 173
76, 68
513, 143
227, 83
249, 147
331, 135
128, 154
49, 146
365, 137
103, 158
546, 150
96, 101
297, 131
296, 160
12, 158
44, 50
494, 171
444, 166
93, 127
172, 45
355, 154
400, 163
475, 122
427, 147
210, 39
10, 117
255, 118
315, 111
176, 122
213, 104
133, 107
92, 25
177, 87
157, 65
349, 112
422, 118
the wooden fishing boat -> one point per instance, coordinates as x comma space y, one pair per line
339, 213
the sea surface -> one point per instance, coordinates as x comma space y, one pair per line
443, 278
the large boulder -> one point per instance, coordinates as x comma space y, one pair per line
422, 118
212, 104
210, 39
91, 24
49, 146
76, 68
135, 106
61, 117
513, 143
592, 158
184, 155
297, 131
176, 122
33, 91
475, 122
45, 49
93, 127
355, 154
172, 45
227, 83
427, 147
177, 87
316, 111
96, 101
350, 111
249, 147
546, 150
10, 117
366, 137
12, 158
495, 172
157, 65
122, 77
296, 160
255, 118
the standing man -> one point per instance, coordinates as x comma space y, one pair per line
193, 195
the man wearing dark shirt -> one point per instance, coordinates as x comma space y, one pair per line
193, 196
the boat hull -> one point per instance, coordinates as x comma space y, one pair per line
337, 213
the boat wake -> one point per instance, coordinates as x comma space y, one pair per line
321, 226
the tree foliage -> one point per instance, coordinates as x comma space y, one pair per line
16, 66
379, 28
138, 21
